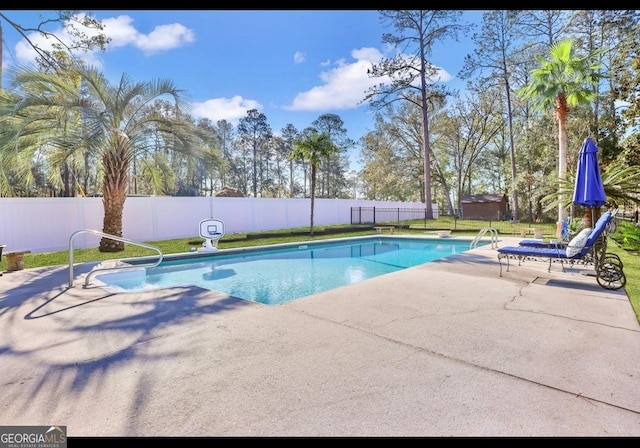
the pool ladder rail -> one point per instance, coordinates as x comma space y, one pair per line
112, 268
483, 232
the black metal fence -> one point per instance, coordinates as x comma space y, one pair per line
378, 215
418, 218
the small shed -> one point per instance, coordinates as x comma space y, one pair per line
485, 206
229, 192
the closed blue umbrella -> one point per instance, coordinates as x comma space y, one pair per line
589, 191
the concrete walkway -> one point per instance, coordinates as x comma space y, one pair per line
448, 348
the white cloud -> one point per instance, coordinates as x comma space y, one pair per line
121, 32
163, 37
26, 54
230, 109
299, 57
344, 86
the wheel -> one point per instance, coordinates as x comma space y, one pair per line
613, 258
610, 276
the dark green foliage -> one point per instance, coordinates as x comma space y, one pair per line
628, 236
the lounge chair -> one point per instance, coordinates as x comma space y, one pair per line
569, 238
544, 244
589, 246
566, 234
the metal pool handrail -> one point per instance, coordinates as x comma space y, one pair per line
494, 237
111, 237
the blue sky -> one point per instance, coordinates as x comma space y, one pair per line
291, 65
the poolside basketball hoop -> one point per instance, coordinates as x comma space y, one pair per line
211, 230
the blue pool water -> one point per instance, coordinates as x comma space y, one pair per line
278, 274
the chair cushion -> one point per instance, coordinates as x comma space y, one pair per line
577, 243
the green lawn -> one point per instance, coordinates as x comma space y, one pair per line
631, 260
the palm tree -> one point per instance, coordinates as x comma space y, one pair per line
114, 125
314, 149
562, 81
621, 184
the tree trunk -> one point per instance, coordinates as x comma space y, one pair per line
591, 215
313, 193
112, 223
512, 153
562, 153
426, 148
114, 193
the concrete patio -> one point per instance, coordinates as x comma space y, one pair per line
447, 348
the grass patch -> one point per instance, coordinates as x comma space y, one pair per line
631, 269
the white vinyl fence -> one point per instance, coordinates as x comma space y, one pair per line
46, 224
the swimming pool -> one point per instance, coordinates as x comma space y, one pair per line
277, 274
